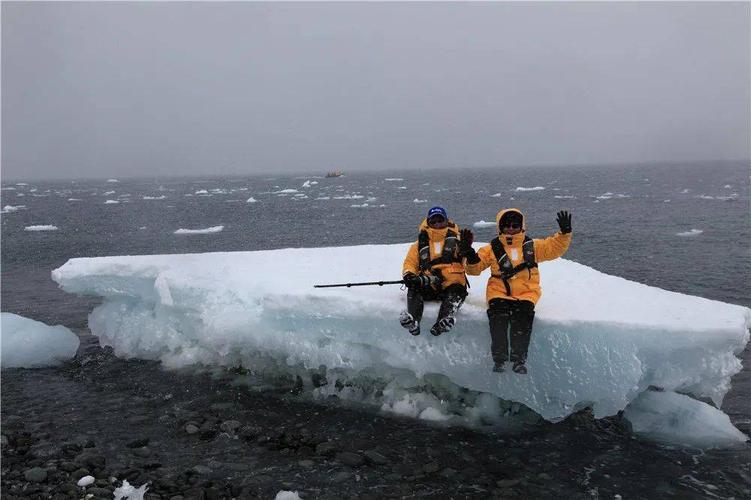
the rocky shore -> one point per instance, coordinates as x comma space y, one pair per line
203, 437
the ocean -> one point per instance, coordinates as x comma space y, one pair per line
684, 228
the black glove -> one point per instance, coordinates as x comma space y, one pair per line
564, 221
415, 282
465, 242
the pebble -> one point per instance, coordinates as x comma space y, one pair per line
376, 457
306, 463
230, 426
85, 481
431, 467
326, 448
340, 477
350, 458
201, 469
35, 475
142, 452
191, 429
506, 483
138, 443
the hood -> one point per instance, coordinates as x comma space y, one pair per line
507, 210
436, 234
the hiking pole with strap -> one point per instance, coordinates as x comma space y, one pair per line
367, 283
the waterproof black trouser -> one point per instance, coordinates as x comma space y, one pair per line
510, 319
451, 299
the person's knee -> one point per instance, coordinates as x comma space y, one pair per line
457, 290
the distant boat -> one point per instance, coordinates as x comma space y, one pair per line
334, 173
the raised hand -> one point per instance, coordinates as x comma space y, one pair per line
564, 221
465, 241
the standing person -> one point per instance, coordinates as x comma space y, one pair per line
432, 271
514, 284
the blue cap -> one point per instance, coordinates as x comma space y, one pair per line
437, 211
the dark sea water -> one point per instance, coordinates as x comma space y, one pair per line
684, 228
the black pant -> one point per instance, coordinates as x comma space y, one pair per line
510, 318
451, 299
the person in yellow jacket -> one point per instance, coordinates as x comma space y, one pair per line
433, 270
514, 284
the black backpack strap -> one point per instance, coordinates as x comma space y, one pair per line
507, 269
423, 250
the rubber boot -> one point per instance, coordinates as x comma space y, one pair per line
410, 323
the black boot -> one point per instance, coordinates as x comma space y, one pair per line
499, 367
520, 368
410, 323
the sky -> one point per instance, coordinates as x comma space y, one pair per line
158, 89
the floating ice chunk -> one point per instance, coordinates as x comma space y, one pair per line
323, 198
482, 223
599, 340
675, 418
692, 232
31, 344
364, 205
160, 197
75, 199
727, 186
21, 184
42, 227
306, 184
401, 187
112, 180
536, 188
393, 179
107, 193
128, 492
251, 200
565, 197
705, 197
208, 230
9, 188
300, 195
286, 191
685, 191
111, 202
12, 208
419, 201
287, 495
496, 195
349, 197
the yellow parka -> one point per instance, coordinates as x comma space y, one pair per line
452, 273
526, 284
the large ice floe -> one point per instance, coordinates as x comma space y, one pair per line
599, 341
26, 343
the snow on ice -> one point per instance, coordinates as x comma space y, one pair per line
208, 230
599, 340
42, 227
483, 223
693, 232
27, 343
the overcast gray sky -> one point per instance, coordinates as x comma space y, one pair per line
128, 89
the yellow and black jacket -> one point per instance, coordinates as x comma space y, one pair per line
512, 260
436, 252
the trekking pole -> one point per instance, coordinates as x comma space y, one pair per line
367, 283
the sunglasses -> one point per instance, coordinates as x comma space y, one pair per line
512, 225
435, 220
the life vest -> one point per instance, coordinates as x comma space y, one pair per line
507, 269
448, 254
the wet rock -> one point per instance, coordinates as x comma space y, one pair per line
68, 466
448, 472
376, 457
350, 458
36, 475
99, 492
138, 443
79, 473
507, 483
431, 467
542, 476
3, 441
191, 428
142, 452
90, 459
201, 469
139, 419
306, 463
325, 449
45, 450
340, 477
222, 406
229, 426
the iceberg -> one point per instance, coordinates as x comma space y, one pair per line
27, 343
600, 341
